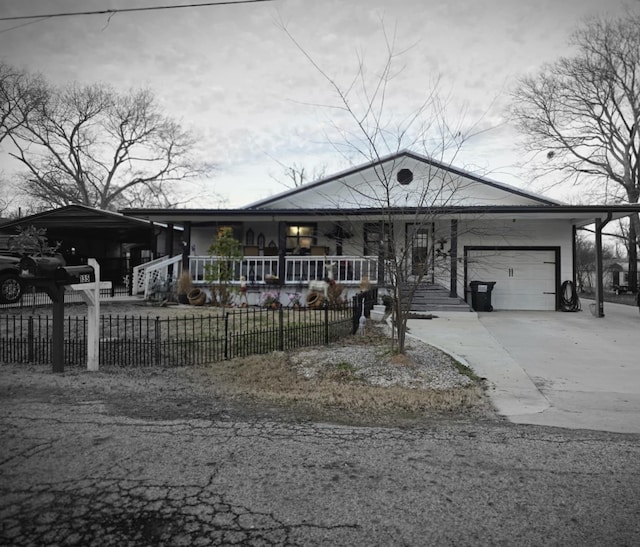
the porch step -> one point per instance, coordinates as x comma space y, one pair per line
430, 297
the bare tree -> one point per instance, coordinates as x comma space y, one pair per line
581, 115
296, 175
20, 95
365, 127
94, 146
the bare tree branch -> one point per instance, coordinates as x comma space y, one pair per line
95, 146
369, 129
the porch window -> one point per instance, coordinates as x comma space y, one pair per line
374, 237
300, 238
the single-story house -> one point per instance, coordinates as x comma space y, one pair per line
460, 226
117, 242
616, 277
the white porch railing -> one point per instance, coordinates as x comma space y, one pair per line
347, 270
254, 268
147, 274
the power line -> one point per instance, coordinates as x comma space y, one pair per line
114, 11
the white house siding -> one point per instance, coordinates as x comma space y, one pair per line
431, 186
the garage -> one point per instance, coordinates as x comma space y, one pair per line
526, 279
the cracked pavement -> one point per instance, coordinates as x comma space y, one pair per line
84, 461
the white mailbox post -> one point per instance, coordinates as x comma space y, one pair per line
91, 295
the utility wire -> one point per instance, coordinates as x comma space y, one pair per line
123, 10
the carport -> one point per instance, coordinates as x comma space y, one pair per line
117, 241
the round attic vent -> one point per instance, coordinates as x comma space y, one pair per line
404, 176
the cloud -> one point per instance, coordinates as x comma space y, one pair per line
232, 74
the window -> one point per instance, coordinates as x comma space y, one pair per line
374, 237
301, 237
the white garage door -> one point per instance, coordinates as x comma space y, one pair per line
525, 279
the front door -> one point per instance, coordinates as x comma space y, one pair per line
419, 242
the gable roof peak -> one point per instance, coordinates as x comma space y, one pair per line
393, 157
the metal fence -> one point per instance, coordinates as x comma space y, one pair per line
142, 341
136, 341
37, 298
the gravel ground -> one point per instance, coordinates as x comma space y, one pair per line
425, 368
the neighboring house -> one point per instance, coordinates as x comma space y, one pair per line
118, 242
479, 229
615, 275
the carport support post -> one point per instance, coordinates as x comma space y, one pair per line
600, 224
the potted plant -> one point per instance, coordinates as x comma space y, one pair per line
227, 252
184, 287
197, 297
294, 299
270, 299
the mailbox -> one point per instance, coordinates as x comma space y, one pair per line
70, 275
37, 270
43, 271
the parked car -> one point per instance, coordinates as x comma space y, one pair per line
10, 285
620, 289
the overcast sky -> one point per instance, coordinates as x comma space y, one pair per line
232, 75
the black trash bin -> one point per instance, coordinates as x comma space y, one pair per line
481, 295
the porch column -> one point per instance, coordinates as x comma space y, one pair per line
574, 256
453, 255
282, 251
168, 246
168, 243
186, 245
153, 244
600, 224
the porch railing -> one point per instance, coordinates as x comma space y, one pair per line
347, 270
146, 275
256, 269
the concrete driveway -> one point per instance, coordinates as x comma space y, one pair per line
551, 368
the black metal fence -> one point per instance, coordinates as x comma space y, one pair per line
36, 298
140, 341
129, 341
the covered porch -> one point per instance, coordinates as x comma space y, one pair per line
529, 250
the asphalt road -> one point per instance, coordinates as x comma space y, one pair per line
88, 465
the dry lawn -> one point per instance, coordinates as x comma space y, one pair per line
338, 392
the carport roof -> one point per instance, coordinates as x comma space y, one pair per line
81, 217
79, 222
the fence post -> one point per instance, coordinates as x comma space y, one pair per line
355, 309
226, 335
158, 338
30, 340
326, 322
280, 329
